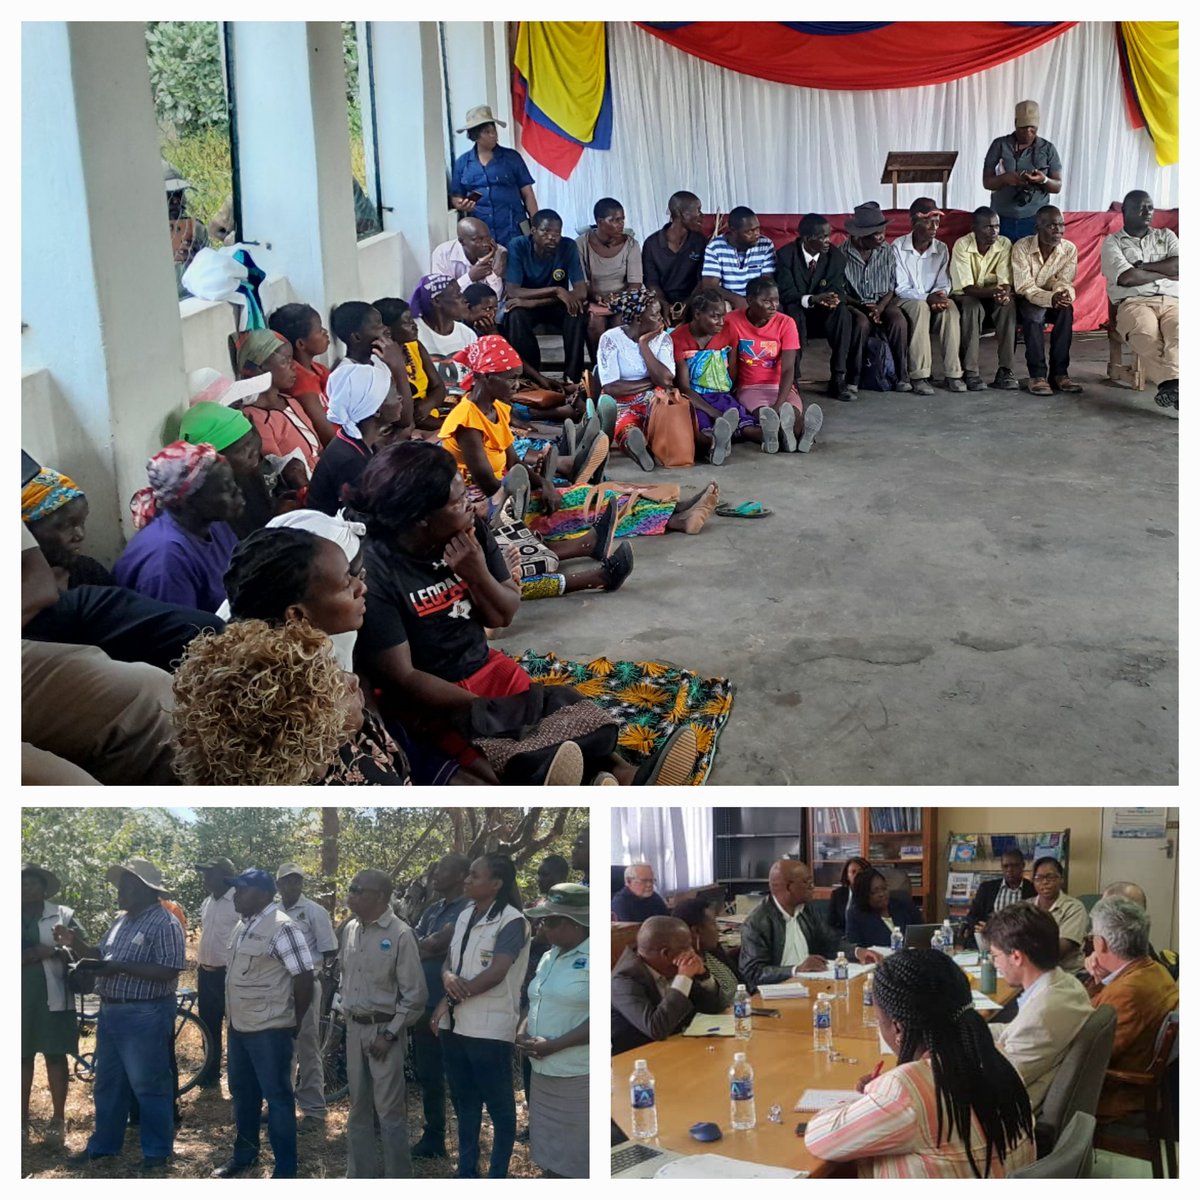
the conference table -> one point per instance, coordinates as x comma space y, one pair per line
692, 1077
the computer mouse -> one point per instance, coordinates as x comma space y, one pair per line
706, 1131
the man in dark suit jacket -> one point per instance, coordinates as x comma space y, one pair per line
989, 897
658, 985
785, 931
811, 273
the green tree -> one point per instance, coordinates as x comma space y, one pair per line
186, 76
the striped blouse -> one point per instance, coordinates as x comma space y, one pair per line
891, 1132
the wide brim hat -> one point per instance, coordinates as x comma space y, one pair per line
868, 218
50, 881
172, 180
481, 114
147, 872
570, 900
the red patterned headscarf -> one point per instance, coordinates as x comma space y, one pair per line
488, 356
174, 472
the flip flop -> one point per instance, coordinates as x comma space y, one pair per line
751, 510
606, 410
674, 763
516, 486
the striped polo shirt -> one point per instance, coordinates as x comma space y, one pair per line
735, 268
870, 280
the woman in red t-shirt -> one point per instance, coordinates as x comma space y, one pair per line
767, 341
301, 325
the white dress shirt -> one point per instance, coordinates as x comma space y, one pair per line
795, 944
451, 259
920, 272
217, 919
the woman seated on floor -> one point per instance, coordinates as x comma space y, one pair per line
270, 705
440, 313
183, 541
872, 913
767, 340
283, 425
952, 1108
701, 921
839, 897
612, 262
632, 362
705, 370
301, 326
438, 583
424, 378
55, 511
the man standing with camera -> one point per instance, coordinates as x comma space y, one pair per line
1024, 171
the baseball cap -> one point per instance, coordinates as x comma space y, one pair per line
225, 864
287, 869
253, 878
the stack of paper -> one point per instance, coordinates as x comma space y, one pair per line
983, 1003
856, 969
816, 1099
718, 1166
710, 1025
789, 990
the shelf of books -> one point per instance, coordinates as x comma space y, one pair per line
896, 839
972, 858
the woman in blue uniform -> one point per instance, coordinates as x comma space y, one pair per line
496, 174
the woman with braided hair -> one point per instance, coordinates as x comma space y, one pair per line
952, 1108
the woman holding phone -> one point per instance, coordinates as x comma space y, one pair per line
491, 182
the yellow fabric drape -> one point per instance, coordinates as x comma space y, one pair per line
563, 63
1153, 49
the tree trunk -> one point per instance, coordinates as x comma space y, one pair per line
330, 827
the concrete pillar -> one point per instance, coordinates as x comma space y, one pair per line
98, 290
409, 108
294, 154
471, 74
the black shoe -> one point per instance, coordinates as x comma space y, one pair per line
83, 1158
606, 531
837, 385
1006, 381
232, 1169
1167, 395
428, 1149
974, 383
152, 1166
618, 567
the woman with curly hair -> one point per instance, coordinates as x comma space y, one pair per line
952, 1108
260, 704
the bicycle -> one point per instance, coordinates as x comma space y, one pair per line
192, 1045
332, 1034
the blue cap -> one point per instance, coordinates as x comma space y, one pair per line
252, 878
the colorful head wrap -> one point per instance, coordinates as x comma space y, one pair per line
174, 472
488, 356
256, 346
215, 424
630, 305
356, 391
430, 287
47, 492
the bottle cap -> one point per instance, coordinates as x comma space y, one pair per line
737, 1058
639, 1064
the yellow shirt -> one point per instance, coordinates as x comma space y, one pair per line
418, 380
1037, 279
497, 434
969, 268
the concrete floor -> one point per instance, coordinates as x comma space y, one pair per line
956, 589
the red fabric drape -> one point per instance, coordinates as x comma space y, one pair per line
902, 54
1086, 229
557, 154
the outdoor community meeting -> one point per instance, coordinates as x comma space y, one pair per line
895, 993
864, 404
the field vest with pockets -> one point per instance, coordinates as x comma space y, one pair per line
495, 1013
258, 987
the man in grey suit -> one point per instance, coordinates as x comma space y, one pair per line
658, 985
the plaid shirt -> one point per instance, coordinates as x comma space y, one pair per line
288, 945
152, 936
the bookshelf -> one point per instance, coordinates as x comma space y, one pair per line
901, 837
971, 858
748, 840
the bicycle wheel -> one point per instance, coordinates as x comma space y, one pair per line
194, 1049
84, 1065
333, 1056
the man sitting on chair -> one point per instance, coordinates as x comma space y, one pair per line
1141, 266
742, 254
981, 282
1137, 988
637, 900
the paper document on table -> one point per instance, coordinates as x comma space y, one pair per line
982, 1002
790, 990
882, 951
816, 1099
855, 969
710, 1025
718, 1166
967, 958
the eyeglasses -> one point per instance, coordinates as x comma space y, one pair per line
1046, 878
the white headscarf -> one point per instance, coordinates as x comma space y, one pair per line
356, 391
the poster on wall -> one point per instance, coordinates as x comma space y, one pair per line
1138, 823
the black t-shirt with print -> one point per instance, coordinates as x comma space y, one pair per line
425, 604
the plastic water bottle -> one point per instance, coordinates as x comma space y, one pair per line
741, 1014
868, 1014
641, 1095
822, 1023
897, 938
937, 942
741, 1093
841, 977
947, 936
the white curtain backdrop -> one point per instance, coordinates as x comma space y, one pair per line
682, 123
676, 842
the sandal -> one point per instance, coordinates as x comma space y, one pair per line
635, 447
566, 767
751, 510
674, 763
591, 461
606, 410
722, 432
606, 531
768, 421
696, 516
515, 486
605, 779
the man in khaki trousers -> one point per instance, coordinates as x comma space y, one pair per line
1141, 266
383, 992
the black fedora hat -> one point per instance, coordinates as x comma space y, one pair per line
868, 218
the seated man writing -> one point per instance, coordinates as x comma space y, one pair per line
740, 255
981, 282
785, 932
658, 985
1141, 266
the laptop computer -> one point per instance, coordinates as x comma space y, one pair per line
918, 937
635, 1160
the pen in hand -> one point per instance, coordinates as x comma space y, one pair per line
876, 1072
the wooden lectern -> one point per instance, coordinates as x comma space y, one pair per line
919, 166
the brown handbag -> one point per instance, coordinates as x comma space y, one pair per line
671, 430
539, 398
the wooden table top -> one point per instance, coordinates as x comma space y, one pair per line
692, 1078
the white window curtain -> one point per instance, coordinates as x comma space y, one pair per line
680, 122
676, 842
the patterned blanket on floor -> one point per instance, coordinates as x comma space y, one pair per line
649, 698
